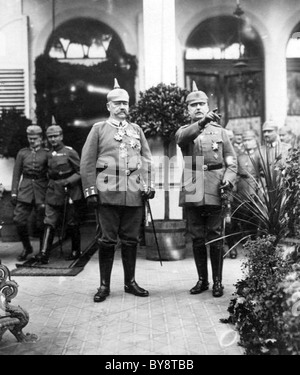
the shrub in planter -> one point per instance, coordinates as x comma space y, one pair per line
264, 307
13, 135
160, 111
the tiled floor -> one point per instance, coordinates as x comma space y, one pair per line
169, 322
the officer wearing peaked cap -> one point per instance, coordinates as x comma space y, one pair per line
273, 151
117, 173
63, 193
29, 185
210, 163
246, 185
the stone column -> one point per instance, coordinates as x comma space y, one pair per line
159, 42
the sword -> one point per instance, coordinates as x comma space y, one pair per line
63, 220
153, 227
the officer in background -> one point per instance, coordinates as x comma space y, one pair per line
29, 185
246, 185
237, 141
63, 194
274, 151
210, 164
117, 174
287, 136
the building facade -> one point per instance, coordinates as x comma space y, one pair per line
244, 53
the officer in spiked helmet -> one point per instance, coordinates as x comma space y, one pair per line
209, 166
117, 174
63, 195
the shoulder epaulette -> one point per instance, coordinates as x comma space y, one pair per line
24, 149
216, 124
99, 123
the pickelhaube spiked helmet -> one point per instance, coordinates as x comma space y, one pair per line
196, 95
54, 130
117, 94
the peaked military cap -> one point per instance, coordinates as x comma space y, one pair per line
249, 134
286, 129
54, 130
34, 130
270, 125
196, 95
117, 94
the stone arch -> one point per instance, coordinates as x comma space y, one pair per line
237, 92
85, 12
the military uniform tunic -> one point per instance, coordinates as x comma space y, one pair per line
63, 169
212, 158
247, 178
29, 184
116, 163
31, 165
209, 159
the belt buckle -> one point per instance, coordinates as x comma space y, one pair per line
205, 167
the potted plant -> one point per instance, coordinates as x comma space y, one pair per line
160, 111
265, 306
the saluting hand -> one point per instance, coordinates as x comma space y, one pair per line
210, 116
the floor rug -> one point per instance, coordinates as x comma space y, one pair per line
58, 265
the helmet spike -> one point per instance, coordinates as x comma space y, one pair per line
116, 84
194, 87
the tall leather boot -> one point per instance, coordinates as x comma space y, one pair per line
106, 255
128, 253
216, 257
200, 257
24, 238
43, 256
75, 241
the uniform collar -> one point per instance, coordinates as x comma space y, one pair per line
35, 149
272, 144
58, 148
117, 124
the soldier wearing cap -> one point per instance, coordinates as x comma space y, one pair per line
246, 185
210, 164
286, 135
63, 193
29, 185
274, 151
117, 175
237, 142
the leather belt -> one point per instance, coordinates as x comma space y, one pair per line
209, 167
126, 171
60, 176
33, 177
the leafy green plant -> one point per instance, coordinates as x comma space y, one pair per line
264, 307
160, 111
272, 207
13, 124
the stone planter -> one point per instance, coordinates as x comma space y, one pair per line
171, 237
